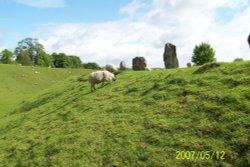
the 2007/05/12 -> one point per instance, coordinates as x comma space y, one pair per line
203, 155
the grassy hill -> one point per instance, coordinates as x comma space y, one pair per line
142, 119
21, 82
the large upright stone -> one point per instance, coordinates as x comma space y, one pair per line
248, 40
122, 65
139, 63
170, 56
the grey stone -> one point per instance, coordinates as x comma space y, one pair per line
248, 40
170, 56
122, 65
139, 63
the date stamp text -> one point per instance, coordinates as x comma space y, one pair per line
201, 155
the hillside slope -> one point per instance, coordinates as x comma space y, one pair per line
142, 119
19, 83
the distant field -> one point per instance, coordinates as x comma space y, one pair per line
20, 83
140, 120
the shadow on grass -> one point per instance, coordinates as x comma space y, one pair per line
154, 86
207, 67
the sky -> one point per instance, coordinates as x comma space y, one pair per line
110, 31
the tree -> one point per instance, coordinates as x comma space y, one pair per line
91, 65
202, 54
24, 58
60, 60
32, 47
6, 56
74, 62
43, 60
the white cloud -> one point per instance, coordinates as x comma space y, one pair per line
132, 8
233, 38
183, 23
103, 43
43, 3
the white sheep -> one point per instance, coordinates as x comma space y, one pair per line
111, 68
100, 76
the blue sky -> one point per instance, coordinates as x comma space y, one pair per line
16, 13
16, 17
113, 30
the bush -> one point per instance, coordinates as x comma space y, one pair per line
238, 59
202, 54
6, 57
91, 65
189, 64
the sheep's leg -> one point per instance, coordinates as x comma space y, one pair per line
102, 83
92, 87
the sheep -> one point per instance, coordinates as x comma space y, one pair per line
111, 68
100, 76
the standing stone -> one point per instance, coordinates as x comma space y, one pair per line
139, 63
122, 65
248, 40
170, 56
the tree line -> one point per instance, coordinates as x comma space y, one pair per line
30, 52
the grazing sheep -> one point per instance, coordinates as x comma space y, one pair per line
100, 76
111, 68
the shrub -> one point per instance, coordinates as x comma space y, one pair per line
91, 65
238, 59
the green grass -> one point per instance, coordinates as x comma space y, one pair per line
142, 119
19, 83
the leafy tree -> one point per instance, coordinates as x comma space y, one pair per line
202, 54
6, 56
32, 47
74, 62
60, 60
43, 60
24, 58
91, 65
